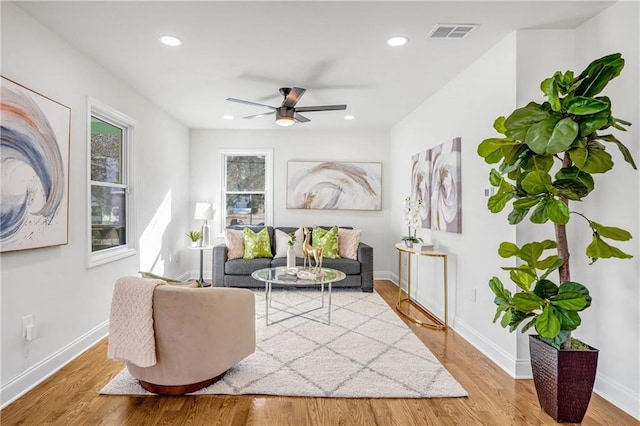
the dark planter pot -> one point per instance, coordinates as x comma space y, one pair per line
563, 379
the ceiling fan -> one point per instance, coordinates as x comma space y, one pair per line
287, 113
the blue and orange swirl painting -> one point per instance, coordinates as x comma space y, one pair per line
33, 176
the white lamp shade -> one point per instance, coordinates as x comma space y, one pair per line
204, 211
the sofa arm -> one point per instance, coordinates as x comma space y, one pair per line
219, 259
365, 257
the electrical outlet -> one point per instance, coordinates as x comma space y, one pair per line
27, 321
473, 295
32, 332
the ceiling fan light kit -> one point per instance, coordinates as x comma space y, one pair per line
287, 114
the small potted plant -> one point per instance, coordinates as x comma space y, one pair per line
195, 237
550, 154
411, 212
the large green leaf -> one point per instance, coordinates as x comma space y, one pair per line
555, 265
531, 252
580, 105
508, 249
503, 296
489, 149
538, 135
516, 216
539, 214
497, 202
548, 262
550, 89
495, 178
569, 300
591, 159
545, 289
570, 189
538, 162
598, 249
576, 287
626, 154
523, 277
557, 211
526, 202
564, 133
591, 123
569, 320
516, 318
536, 182
526, 302
611, 232
498, 124
548, 323
518, 123
574, 173
598, 74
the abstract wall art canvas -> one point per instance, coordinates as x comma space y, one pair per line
334, 185
436, 179
34, 157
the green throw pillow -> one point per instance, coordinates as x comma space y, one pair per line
327, 240
256, 244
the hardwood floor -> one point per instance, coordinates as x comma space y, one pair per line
70, 397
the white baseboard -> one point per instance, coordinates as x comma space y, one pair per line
620, 396
28, 379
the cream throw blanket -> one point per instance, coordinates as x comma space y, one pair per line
131, 336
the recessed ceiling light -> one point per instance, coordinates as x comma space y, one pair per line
397, 41
349, 117
170, 40
227, 117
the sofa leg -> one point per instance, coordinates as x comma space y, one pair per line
179, 389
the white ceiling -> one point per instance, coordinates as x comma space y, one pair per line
336, 50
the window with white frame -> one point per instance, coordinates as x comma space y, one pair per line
246, 185
111, 233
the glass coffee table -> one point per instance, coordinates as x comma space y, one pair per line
286, 278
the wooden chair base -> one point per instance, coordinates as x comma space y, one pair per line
179, 389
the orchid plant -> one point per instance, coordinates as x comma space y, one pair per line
411, 212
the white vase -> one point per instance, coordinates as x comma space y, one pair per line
291, 258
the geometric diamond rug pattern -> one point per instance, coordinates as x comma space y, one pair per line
366, 352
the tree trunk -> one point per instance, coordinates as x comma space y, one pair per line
563, 247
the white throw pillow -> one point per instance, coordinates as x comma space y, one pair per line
297, 246
348, 240
282, 243
234, 240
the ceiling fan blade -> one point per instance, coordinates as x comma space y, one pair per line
321, 108
293, 97
300, 118
259, 115
240, 101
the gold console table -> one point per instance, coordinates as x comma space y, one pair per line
436, 323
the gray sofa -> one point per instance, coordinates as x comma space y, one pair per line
237, 272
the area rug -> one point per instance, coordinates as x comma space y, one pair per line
366, 352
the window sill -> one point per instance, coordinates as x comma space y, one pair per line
110, 255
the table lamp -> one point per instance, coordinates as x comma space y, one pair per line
204, 212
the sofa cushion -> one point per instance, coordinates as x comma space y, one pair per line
256, 244
282, 243
245, 266
328, 240
234, 241
297, 245
348, 240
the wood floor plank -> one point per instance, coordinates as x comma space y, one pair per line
71, 397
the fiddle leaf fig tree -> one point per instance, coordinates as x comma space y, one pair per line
547, 157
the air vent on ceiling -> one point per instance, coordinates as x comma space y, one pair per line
452, 30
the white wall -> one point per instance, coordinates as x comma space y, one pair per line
465, 107
71, 303
612, 323
298, 144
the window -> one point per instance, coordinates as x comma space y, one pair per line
111, 234
246, 187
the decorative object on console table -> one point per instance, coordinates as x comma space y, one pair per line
35, 169
565, 128
411, 212
204, 212
334, 185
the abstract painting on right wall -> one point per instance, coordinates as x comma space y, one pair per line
436, 180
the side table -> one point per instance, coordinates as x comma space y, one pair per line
202, 249
437, 323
